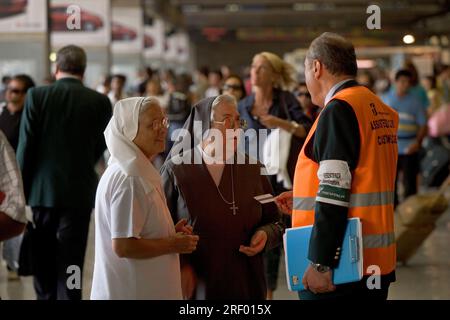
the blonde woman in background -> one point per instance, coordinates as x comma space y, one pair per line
271, 106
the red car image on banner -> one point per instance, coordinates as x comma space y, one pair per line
148, 41
122, 33
59, 16
12, 7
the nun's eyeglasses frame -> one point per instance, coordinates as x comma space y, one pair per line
159, 124
230, 123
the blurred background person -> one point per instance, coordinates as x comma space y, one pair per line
117, 92
304, 98
412, 129
3, 86
178, 107
215, 84
434, 96
271, 106
10, 115
12, 200
415, 87
167, 77
234, 86
154, 89
200, 83
144, 76
104, 86
444, 83
225, 71
11, 109
366, 79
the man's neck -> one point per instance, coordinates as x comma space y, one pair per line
61, 75
329, 84
334, 81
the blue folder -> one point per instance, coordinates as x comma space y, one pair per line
296, 246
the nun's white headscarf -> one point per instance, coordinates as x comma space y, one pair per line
119, 136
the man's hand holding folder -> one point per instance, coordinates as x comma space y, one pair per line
317, 282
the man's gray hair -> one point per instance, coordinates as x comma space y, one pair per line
335, 52
71, 59
221, 99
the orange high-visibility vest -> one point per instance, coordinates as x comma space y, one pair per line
373, 180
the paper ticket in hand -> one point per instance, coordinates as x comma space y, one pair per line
265, 198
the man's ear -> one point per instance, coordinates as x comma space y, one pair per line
317, 69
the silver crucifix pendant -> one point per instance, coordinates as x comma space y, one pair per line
234, 208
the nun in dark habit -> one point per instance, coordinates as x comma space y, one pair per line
210, 185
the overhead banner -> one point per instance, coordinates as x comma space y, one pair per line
127, 30
154, 38
182, 47
171, 47
20, 16
80, 22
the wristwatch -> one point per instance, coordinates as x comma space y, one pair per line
320, 267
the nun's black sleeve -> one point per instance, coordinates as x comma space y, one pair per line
175, 201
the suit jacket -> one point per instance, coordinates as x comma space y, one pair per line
60, 141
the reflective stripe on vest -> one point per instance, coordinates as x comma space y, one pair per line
372, 241
356, 200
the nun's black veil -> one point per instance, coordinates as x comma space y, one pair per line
200, 113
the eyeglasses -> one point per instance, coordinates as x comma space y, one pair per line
231, 87
231, 123
306, 94
16, 91
160, 124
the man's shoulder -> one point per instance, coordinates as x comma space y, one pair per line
336, 107
41, 90
94, 94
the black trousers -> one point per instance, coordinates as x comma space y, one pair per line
409, 165
59, 243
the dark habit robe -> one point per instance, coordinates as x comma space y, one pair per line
222, 271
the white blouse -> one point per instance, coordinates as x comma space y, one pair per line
125, 208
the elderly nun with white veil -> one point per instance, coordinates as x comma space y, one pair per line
137, 245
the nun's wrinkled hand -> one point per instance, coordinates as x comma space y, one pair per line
183, 227
182, 243
257, 244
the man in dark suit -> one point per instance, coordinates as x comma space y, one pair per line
61, 139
